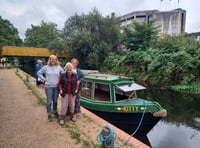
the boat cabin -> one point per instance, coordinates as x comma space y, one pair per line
108, 88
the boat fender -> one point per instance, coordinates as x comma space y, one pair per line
107, 136
161, 113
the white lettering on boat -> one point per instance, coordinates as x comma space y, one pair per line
131, 108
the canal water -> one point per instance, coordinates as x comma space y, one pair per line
181, 127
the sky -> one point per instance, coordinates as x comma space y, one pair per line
24, 13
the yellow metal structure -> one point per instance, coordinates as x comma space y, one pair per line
25, 51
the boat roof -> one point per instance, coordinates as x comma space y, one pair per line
93, 75
106, 77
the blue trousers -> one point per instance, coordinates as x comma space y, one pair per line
52, 96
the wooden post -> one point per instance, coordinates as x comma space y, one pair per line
27, 78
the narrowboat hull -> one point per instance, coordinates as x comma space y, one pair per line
135, 124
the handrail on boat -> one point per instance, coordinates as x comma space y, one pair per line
97, 76
104, 75
85, 72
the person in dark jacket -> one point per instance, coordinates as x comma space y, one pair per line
68, 86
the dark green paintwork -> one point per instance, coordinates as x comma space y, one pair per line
129, 105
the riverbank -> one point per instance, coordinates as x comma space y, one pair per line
84, 132
189, 88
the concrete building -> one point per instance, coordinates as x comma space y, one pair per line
169, 22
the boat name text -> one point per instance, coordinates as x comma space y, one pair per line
131, 108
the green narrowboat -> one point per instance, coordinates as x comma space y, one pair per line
114, 99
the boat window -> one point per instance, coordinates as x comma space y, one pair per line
86, 89
123, 95
102, 92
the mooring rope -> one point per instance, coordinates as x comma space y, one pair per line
108, 140
145, 103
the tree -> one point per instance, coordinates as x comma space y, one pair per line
111, 61
8, 34
46, 35
91, 37
140, 36
134, 63
81, 47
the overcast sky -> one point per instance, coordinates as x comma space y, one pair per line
23, 13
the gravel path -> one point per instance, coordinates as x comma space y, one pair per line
23, 122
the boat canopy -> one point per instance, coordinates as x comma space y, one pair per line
130, 87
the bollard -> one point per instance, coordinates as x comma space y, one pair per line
27, 78
105, 133
106, 137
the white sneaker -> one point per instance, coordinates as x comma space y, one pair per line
73, 119
62, 122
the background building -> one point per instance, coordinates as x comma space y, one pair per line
169, 22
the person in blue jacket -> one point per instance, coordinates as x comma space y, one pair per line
38, 66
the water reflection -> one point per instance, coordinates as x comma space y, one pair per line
181, 128
165, 135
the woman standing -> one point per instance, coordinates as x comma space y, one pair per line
80, 76
52, 72
68, 86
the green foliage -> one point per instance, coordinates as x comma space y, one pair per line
184, 54
46, 35
91, 37
81, 47
111, 61
101, 51
133, 63
169, 61
140, 36
8, 34
192, 88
